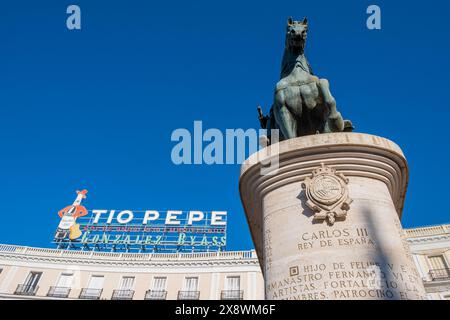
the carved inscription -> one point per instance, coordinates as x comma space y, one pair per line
345, 280
341, 237
268, 250
350, 279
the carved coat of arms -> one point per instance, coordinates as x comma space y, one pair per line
327, 194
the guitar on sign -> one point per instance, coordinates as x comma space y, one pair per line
69, 215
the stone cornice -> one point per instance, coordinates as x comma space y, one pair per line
435, 238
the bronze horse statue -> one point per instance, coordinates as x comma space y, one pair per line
303, 104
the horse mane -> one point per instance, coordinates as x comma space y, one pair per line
291, 59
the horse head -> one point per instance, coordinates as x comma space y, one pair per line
296, 34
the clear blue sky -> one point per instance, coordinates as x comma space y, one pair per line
95, 108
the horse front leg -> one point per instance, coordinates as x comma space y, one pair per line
284, 118
335, 122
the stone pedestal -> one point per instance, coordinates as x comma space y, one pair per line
326, 223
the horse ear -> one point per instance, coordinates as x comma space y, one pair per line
290, 21
305, 21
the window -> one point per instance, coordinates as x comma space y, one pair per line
125, 291
158, 289
190, 289
159, 283
65, 280
437, 262
30, 286
438, 267
94, 288
62, 287
232, 289
126, 283
233, 283
190, 284
96, 282
33, 279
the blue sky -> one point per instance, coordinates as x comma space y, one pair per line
95, 108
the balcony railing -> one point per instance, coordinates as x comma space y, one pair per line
440, 274
156, 295
88, 293
232, 295
188, 295
122, 295
58, 292
26, 290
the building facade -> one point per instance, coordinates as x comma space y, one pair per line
430, 247
38, 273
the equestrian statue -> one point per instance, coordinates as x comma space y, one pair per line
303, 104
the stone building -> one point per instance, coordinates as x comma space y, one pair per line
430, 247
40, 273
37, 273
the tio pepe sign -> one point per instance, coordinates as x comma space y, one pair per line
133, 230
169, 218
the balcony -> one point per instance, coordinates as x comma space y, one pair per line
440, 274
156, 295
26, 290
88, 293
232, 295
122, 295
58, 292
188, 295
